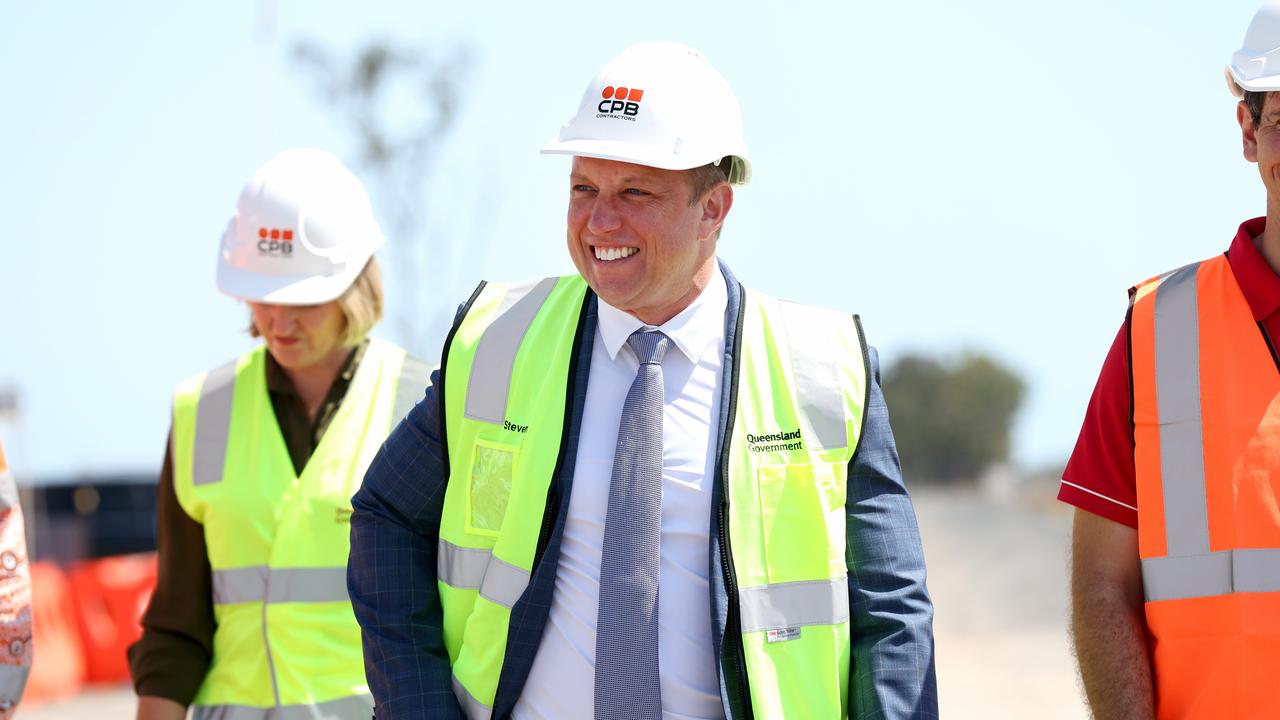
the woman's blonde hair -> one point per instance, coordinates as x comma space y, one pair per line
361, 305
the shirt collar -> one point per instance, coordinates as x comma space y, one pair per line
1258, 282
692, 331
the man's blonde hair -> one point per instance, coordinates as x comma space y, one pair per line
361, 306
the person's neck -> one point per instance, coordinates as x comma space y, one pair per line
313, 382
1269, 241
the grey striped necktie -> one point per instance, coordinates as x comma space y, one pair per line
627, 621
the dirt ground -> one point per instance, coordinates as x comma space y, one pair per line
998, 575
997, 571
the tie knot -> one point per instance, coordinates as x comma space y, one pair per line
649, 345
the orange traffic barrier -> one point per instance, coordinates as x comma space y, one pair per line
58, 664
111, 595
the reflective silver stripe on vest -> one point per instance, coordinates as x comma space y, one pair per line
495, 355
471, 707
259, 583
813, 362
240, 585
213, 418
460, 567
308, 585
504, 583
473, 568
410, 387
791, 605
1177, 359
348, 708
1218, 573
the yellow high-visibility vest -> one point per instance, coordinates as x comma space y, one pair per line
287, 643
798, 404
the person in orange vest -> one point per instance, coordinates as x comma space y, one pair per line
15, 596
1175, 476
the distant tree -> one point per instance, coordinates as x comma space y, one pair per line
400, 103
952, 419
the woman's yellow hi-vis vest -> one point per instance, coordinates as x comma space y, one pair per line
796, 407
287, 644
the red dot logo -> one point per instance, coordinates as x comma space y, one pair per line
607, 93
275, 234
262, 232
620, 93
288, 234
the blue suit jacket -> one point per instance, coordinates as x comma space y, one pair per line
392, 570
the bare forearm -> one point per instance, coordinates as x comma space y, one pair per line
1111, 647
1108, 624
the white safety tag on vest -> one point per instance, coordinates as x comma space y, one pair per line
783, 634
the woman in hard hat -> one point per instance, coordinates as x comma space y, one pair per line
250, 617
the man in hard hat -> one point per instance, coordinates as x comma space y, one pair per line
1175, 476
645, 491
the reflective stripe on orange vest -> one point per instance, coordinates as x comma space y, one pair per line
1206, 415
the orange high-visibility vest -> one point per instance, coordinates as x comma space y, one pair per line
1206, 418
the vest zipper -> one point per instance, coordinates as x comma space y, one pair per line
732, 641
731, 644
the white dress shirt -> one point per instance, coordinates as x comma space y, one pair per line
561, 683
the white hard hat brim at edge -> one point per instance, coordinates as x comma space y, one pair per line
287, 289
1266, 83
627, 152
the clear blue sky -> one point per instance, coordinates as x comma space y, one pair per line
989, 175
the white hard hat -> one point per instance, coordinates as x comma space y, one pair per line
659, 104
302, 231
1256, 65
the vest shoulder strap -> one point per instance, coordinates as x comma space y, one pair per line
502, 315
828, 357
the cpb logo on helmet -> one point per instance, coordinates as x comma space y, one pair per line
274, 241
620, 100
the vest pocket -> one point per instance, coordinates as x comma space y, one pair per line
802, 520
489, 485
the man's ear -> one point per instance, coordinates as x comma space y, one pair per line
1248, 131
715, 208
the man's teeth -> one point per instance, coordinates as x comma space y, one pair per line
615, 253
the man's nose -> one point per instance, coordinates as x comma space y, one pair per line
604, 216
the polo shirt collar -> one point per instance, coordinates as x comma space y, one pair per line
692, 331
1258, 282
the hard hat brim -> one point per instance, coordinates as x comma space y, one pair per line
286, 289
623, 152
1266, 83
638, 155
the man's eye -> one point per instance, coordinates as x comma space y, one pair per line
634, 191
581, 188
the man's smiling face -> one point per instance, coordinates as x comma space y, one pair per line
639, 239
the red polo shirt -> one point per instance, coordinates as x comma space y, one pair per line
1100, 475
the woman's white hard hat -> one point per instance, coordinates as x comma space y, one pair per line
659, 104
302, 231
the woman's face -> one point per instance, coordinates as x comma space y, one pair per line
299, 336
